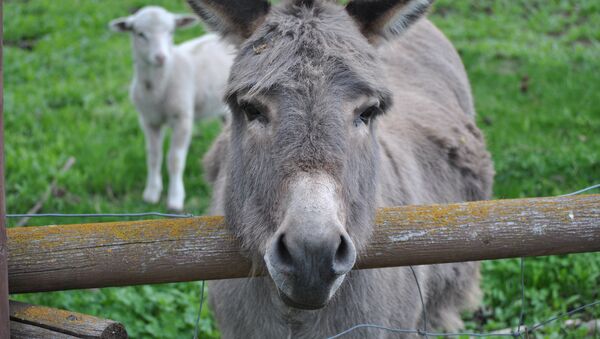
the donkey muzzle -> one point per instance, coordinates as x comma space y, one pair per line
309, 268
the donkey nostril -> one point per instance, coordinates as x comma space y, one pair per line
345, 256
342, 250
282, 251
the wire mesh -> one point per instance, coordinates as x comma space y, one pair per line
522, 329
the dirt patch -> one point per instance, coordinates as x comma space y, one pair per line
26, 44
585, 41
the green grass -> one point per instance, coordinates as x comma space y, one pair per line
542, 133
534, 71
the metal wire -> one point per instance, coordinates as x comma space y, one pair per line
518, 333
197, 327
423, 307
522, 316
581, 191
419, 332
168, 215
393, 330
562, 315
100, 215
521, 330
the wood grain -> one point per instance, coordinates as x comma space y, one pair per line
67, 323
25, 331
144, 252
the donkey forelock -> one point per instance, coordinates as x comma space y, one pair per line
303, 45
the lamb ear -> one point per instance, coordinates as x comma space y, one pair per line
121, 25
185, 20
235, 20
386, 18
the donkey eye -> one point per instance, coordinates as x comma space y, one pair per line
142, 35
367, 115
252, 113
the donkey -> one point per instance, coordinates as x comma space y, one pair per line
336, 111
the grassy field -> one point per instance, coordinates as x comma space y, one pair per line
535, 71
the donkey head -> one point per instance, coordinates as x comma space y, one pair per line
305, 91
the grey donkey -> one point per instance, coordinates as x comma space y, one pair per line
336, 111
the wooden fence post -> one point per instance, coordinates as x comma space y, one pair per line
4, 317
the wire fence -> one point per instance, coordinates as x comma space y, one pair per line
99, 215
521, 331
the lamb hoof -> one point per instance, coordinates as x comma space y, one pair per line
176, 197
175, 202
175, 207
151, 196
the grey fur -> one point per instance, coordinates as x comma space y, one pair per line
303, 67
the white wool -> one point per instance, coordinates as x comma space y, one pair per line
172, 85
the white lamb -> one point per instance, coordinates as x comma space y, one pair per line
171, 86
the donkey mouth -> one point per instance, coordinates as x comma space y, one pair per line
300, 305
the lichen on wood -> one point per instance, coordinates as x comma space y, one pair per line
61, 323
143, 252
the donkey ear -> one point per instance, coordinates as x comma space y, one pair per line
386, 18
236, 20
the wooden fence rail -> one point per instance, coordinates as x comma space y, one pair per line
66, 257
40, 322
